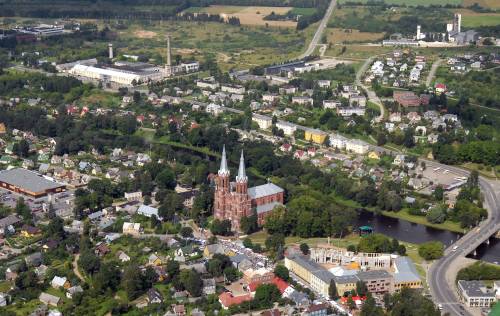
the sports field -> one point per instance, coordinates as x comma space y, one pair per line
248, 15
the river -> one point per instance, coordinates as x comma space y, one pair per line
417, 234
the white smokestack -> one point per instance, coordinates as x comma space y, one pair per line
110, 49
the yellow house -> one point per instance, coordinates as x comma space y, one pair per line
315, 136
374, 155
3, 130
154, 260
30, 231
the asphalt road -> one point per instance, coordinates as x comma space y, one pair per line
372, 96
319, 31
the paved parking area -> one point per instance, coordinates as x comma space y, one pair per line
440, 176
62, 202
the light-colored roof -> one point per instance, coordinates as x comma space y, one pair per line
28, 180
58, 281
267, 207
264, 190
405, 270
147, 210
48, 298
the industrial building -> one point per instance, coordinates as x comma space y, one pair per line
127, 73
29, 183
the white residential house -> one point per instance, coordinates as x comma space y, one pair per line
302, 100
123, 257
147, 211
58, 282
133, 196
214, 109
331, 104
357, 101
357, 146
270, 97
237, 89
323, 83
264, 122
348, 111
207, 84
287, 128
337, 141
133, 229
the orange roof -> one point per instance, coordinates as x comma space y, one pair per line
280, 284
2, 128
353, 266
227, 299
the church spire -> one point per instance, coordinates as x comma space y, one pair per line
223, 170
242, 176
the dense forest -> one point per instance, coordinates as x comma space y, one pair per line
128, 9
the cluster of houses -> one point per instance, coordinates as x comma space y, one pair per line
469, 61
398, 70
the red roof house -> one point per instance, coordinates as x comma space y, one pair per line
227, 299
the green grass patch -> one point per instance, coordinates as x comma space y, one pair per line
481, 20
303, 11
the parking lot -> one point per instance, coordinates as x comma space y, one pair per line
62, 202
440, 176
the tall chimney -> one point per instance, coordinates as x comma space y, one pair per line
169, 53
110, 49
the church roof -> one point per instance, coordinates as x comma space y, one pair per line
264, 190
223, 170
242, 176
267, 207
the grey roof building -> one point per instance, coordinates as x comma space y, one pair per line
264, 190
28, 182
406, 274
475, 293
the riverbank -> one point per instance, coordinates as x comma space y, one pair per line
404, 215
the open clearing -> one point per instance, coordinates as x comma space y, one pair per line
338, 36
145, 34
247, 15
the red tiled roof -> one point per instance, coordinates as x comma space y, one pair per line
280, 284
227, 299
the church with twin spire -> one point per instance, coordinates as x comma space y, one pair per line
234, 200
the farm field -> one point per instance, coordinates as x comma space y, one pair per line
475, 19
492, 4
248, 15
338, 36
414, 2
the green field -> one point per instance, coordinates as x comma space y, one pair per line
303, 11
481, 20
